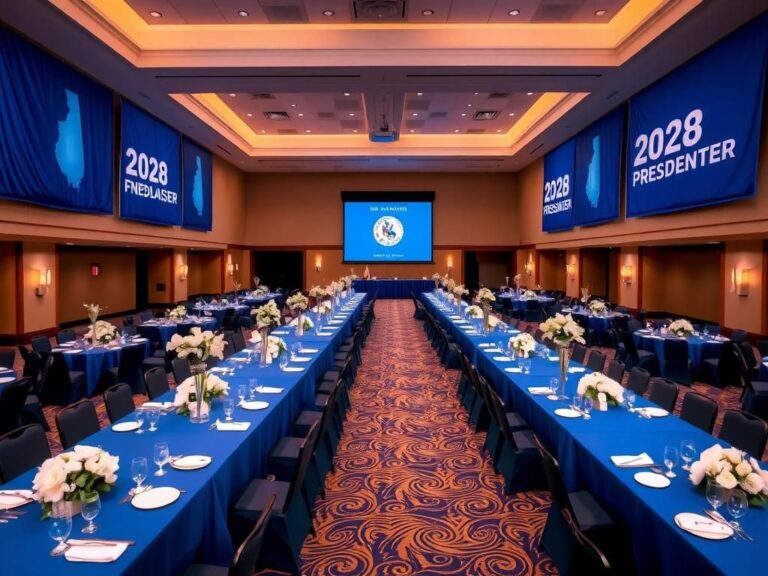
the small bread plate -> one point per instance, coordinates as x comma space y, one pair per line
703, 526
6, 379
567, 413
129, 426
654, 411
502, 359
254, 405
652, 479
155, 498
190, 462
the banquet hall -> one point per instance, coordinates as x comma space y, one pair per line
333, 287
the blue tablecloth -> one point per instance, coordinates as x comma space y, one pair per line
218, 312
598, 325
393, 289
258, 301
699, 349
194, 528
162, 333
763, 372
584, 448
96, 361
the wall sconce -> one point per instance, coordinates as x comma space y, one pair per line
232, 268
528, 267
318, 263
742, 287
570, 269
44, 282
626, 274
449, 262
183, 271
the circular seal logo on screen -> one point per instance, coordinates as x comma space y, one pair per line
388, 231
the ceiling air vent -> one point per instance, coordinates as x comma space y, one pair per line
556, 10
287, 132
435, 115
262, 96
485, 115
284, 11
379, 10
326, 115
277, 116
476, 131
498, 95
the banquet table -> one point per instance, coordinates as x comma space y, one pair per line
393, 288
530, 307
161, 331
584, 448
217, 311
599, 324
699, 349
260, 300
194, 528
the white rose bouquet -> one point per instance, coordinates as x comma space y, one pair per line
260, 290
102, 332
523, 344
297, 303
459, 290
267, 315
93, 311
731, 468
275, 346
450, 284
337, 287
213, 387
485, 296
178, 312
591, 385
197, 346
75, 476
530, 294
474, 311
562, 330
318, 292
437, 277
681, 327
597, 306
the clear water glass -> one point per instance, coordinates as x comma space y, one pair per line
253, 386
153, 416
284, 361
737, 506
60, 525
139, 471
242, 390
89, 511
161, 456
229, 408
715, 494
687, 453
140, 417
554, 384
587, 405
670, 460
629, 398
576, 402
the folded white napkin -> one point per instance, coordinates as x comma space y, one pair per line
218, 369
576, 370
161, 405
336, 322
698, 523
632, 460
14, 497
58, 349
280, 332
324, 334
92, 551
515, 370
553, 358
270, 390
486, 345
539, 390
233, 426
309, 350
502, 359
293, 369
301, 359
72, 351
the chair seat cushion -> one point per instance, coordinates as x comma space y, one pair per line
516, 422
256, 495
525, 440
321, 400
332, 375
760, 387
589, 514
304, 422
326, 387
286, 447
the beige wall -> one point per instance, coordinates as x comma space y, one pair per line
594, 271
205, 272
629, 293
744, 311
39, 312
159, 264
552, 274
7, 288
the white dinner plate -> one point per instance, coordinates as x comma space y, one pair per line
652, 479
567, 413
190, 462
301, 359
713, 530
502, 359
576, 370
10, 499
254, 405
515, 370
72, 351
654, 411
155, 498
4, 369
293, 369
129, 426
7, 379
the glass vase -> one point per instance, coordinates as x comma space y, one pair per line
264, 360
300, 325
564, 357
200, 412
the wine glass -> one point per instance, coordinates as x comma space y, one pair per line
253, 385
554, 384
629, 397
229, 408
576, 402
140, 417
60, 526
715, 494
241, 392
587, 405
89, 511
737, 506
670, 460
138, 472
283, 361
687, 453
162, 454
153, 416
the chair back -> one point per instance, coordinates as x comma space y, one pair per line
7, 358
238, 340
588, 558
77, 421
119, 401
745, 432
712, 329
663, 393
22, 449
306, 449
633, 325
56, 385
615, 370
739, 335
554, 477
699, 410
156, 382
12, 398
41, 344
129, 370
64, 336
749, 354
762, 348
33, 363
638, 380
130, 330
246, 556
596, 361
500, 416
146, 315
181, 370
579, 353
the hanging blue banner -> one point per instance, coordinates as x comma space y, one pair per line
597, 170
55, 132
197, 185
150, 169
557, 211
694, 136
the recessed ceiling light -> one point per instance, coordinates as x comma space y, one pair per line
498, 131
263, 131
419, 93
249, 115
243, 13
514, 12
511, 113
155, 14
70, 243
232, 94
301, 114
329, 13
469, 105
414, 114
411, 131
293, 105
346, 94
476, 93
463, 114
601, 12
355, 131
530, 93
427, 12
307, 131
456, 130
351, 113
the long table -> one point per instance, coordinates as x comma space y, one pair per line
584, 448
95, 361
393, 288
194, 528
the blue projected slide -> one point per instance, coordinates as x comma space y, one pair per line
387, 231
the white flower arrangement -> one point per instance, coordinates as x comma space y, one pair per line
459, 290
493, 321
260, 290
267, 315
530, 295
197, 346
236, 286
732, 468
562, 330
450, 284
436, 276
275, 346
591, 385
93, 311
681, 327
102, 332
523, 344
178, 312
213, 387
318, 292
322, 307
297, 303
597, 306
485, 296
308, 324
474, 311
584, 295
75, 476
256, 281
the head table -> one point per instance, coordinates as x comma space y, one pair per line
194, 528
584, 447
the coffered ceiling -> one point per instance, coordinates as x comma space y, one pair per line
316, 85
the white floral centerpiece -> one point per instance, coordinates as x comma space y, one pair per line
591, 385
178, 313
562, 330
680, 327
318, 292
516, 281
485, 297
185, 399
197, 346
473, 311
731, 468
93, 311
266, 316
275, 346
523, 344
102, 332
437, 278
597, 306
459, 290
584, 296
76, 476
297, 303
530, 295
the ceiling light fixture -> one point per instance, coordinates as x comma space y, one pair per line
463, 114
249, 115
414, 114
301, 114
530, 93
419, 93
232, 94
457, 130
243, 13
514, 12
351, 113
427, 12
293, 105
307, 131
346, 94
469, 105
355, 131
329, 13
155, 14
411, 131
601, 12
511, 113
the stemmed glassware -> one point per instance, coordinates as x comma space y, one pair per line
283, 361
715, 494
253, 386
140, 417
153, 416
629, 397
554, 384
229, 408
737, 505
241, 392
687, 453
162, 454
60, 525
670, 460
587, 405
89, 511
139, 472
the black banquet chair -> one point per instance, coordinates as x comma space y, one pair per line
586, 558
40, 344
13, 397
181, 370
745, 432
77, 421
699, 410
129, 369
118, 401
677, 365
22, 449
596, 361
7, 358
663, 393
615, 370
156, 382
638, 380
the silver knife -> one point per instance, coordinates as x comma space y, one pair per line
715, 515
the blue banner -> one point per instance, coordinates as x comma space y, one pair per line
56, 134
150, 169
694, 136
597, 170
197, 185
557, 211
